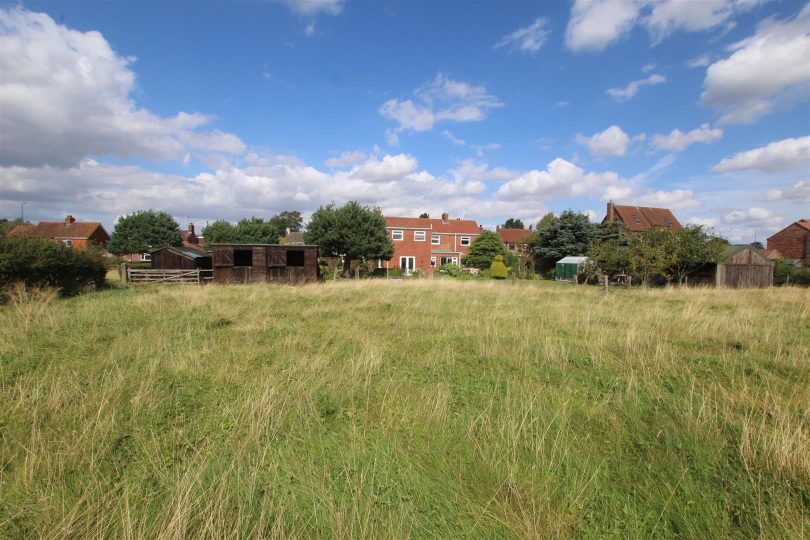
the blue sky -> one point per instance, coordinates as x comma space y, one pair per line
487, 110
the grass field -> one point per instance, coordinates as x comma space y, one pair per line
424, 409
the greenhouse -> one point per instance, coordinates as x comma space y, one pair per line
568, 267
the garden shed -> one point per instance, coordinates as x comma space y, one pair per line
740, 267
258, 263
180, 258
568, 267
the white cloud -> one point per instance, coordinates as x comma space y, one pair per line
646, 68
763, 71
621, 94
309, 30
442, 99
527, 40
561, 178
784, 155
453, 139
678, 141
64, 95
797, 193
708, 223
699, 61
613, 141
386, 169
596, 24
346, 159
751, 216
313, 7
677, 199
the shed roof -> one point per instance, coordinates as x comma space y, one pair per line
184, 251
242, 244
734, 249
572, 260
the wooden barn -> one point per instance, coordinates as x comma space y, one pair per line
741, 267
180, 258
257, 263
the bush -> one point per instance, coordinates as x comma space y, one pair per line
784, 274
451, 270
417, 274
395, 272
497, 269
38, 262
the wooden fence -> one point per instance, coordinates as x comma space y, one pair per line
137, 275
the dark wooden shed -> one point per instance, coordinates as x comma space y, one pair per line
257, 263
180, 258
741, 267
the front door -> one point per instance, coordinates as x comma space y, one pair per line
407, 264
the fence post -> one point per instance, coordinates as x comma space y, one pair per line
123, 272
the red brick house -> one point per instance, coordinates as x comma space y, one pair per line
74, 234
793, 242
641, 218
426, 244
513, 238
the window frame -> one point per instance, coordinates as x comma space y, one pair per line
146, 257
435, 240
68, 243
422, 233
397, 232
467, 238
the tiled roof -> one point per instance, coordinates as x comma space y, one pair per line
21, 230
804, 223
60, 229
641, 218
453, 226
511, 236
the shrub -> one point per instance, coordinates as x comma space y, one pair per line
417, 274
38, 262
497, 269
395, 272
451, 270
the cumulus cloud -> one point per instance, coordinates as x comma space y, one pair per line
784, 155
453, 139
677, 199
65, 96
596, 24
561, 178
527, 40
439, 100
613, 141
765, 70
386, 169
751, 216
678, 141
313, 7
699, 61
621, 94
346, 159
797, 193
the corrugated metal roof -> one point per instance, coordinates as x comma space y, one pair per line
572, 260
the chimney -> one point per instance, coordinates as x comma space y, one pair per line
497, 227
191, 228
611, 211
69, 219
445, 217
480, 227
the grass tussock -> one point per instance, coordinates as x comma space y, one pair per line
425, 409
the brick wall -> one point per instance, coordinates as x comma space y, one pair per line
792, 242
424, 250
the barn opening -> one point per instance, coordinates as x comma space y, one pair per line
295, 257
243, 257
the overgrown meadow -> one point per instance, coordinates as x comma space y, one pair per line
405, 409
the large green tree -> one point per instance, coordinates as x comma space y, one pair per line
289, 220
142, 231
610, 251
693, 247
483, 250
570, 234
252, 230
652, 253
513, 223
351, 231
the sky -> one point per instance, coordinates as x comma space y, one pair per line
486, 110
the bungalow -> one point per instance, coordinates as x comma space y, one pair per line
641, 218
73, 234
793, 242
425, 244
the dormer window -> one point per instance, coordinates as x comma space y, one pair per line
636, 219
668, 222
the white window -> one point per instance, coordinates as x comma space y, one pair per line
146, 257
419, 236
407, 264
455, 260
435, 239
433, 261
397, 235
465, 240
68, 243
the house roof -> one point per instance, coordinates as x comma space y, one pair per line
511, 236
804, 223
59, 229
452, 226
772, 253
641, 218
293, 238
572, 260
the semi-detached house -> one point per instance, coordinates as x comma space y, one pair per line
426, 244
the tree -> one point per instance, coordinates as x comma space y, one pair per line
352, 231
258, 231
610, 251
483, 250
693, 247
757, 245
424, 215
142, 231
546, 221
652, 253
6, 225
498, 269
570, 234
288, 221
219, 232
513, 223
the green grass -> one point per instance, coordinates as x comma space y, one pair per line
426, 409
